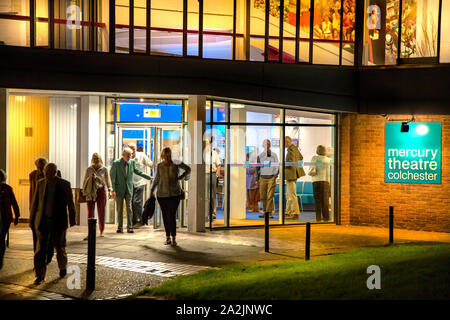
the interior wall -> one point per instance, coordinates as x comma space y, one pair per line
26, 112
63, 136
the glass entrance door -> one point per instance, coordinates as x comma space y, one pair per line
151, 140
170, 137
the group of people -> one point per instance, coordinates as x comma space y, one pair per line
52, 209
330, 23
261, 181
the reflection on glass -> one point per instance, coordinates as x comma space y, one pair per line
167, 26
327, 26
419, 28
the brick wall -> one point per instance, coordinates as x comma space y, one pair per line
365, 197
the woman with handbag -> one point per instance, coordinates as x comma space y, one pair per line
96, 180
320, 176
169, 192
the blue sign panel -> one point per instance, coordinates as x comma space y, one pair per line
150, 112
413, 156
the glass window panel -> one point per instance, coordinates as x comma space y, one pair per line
192, 21
445, 32
380, 32
102, 27
72, 25
248, 142
218, 18
14, 32
167, 27
274, 29
305, 22
219, 111
15, 24
109, 159
348, 33
253, 114
42, 23
257, 30
122, 26
307, 117
215, 175
289, 29
419, 28
140, 25
327, 21
310, 198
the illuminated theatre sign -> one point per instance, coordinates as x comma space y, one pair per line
413, 156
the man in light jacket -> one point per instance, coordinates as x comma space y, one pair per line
292, 173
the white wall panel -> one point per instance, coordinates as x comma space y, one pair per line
63, 136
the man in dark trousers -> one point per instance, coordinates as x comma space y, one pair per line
35, 176
48, 217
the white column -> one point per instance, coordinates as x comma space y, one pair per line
89, 141
238, 173
196, 191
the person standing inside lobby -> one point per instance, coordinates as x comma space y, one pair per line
267, 178
48, 217
292, 173
320, 173
121, 173
212, 167
142, 162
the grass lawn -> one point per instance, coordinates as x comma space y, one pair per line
407, 272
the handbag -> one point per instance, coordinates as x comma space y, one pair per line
312, 171
81, 198
182, 194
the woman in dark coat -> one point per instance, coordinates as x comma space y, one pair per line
7, 200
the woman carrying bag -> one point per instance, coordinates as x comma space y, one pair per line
96, 180
169, 192
320, 176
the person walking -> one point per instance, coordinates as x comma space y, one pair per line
267, 178
51, 202
34, 177
96, 187
122, 171
142, 161
320, 176
169, 191
292, 173
7, 200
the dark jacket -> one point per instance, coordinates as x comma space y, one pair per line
34, 177
63, 202
7, 200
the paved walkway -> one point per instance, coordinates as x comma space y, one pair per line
127, 263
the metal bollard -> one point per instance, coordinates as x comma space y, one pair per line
266, 232
90, 277
391, 224
308, 240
